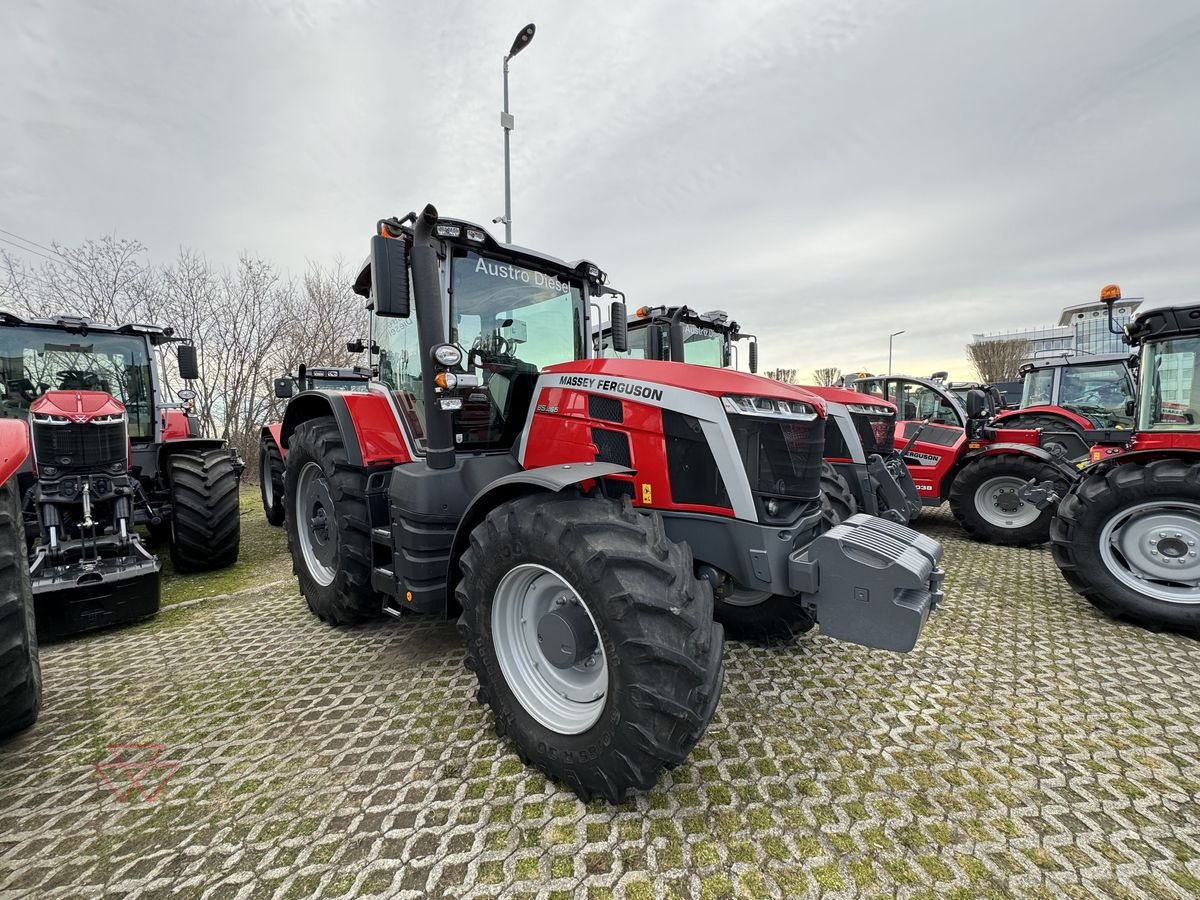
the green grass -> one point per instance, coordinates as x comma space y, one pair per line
263, 558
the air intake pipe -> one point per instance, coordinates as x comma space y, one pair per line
431, 331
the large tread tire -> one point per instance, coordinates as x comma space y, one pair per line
349, 599
20, 665
1082, 515
1073, 443
206, 525
270, 476
656, 626
837, 500
977, 473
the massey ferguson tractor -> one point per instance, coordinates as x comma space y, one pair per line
1073, 399
109, 452
1127, 534
862, 471
587, 520
270, 451
1001, 483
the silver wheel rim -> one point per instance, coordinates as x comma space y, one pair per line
565, 700
316, 524
266, 480
1154, 549
998, 503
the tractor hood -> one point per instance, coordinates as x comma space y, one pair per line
77, 406
847, 397
705, 379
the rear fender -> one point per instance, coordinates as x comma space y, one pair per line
270, 434
550, 479
367, 424
1073, 417
1066, 470
14, 447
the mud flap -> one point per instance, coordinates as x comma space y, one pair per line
870, 581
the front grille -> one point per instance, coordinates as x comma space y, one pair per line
782, 458
611, 446
693, 470
81, 445
877, 432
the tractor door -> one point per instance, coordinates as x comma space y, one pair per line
929, 413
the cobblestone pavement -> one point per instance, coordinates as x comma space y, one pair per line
1029, 746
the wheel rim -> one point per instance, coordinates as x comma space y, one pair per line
266, 480
999, 503
529, 603
1154, 548
316, 524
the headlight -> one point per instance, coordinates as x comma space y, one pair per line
447, 355
447, 230
868, 410
769, 408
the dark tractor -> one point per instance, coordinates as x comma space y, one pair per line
1000, 482
20, 666
109, 452
270, 452
1072, 399
1127, 534
587, 520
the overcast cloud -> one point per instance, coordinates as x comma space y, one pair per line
828, 172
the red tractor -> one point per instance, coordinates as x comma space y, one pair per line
587, 520
862, 471
20, 667
109, 452
1001, 483
1073, 398
270, 452
1127, 534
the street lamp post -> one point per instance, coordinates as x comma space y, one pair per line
520, 42
890, 336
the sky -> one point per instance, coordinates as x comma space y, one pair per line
828, 171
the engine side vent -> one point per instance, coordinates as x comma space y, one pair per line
690, 463
611, 446
607, 408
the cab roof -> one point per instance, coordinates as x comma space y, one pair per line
157, 334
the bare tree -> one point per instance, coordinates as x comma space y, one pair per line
998, 360
829, 376
787, 376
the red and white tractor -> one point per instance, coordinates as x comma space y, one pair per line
590, 522
1127, 534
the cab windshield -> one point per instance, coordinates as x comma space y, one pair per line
1170, 386
701, 346
36, 360
1098, 392
510, 321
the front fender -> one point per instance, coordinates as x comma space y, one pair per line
551, 479
14, 447
1067, 470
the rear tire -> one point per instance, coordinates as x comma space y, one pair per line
656, 638
837, 500
270, 481
1069, 441
983, 492
328, 529
20, 665
1108, 524
205, 523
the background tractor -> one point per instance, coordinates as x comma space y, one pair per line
109, 452
681, 334
1127, 534
271, 452
20, 666
1072, 399
1001, 483
586, 519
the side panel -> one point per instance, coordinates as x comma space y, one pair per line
175, 425
14, 447
932, 456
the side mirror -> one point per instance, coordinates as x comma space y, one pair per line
189, 364
976, 404
753, 356
619, 327
283, 388
355, 346
389, 276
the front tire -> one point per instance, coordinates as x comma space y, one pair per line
984, 499
1128, 537
837, 500
270, 481
20, 665
328, 529
630, 603
205, 524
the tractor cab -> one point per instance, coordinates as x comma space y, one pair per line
1096, 389
680, 334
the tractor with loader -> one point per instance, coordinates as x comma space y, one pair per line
1127, 534
270, 452
591, 522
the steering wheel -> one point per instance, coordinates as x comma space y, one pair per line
86, 378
